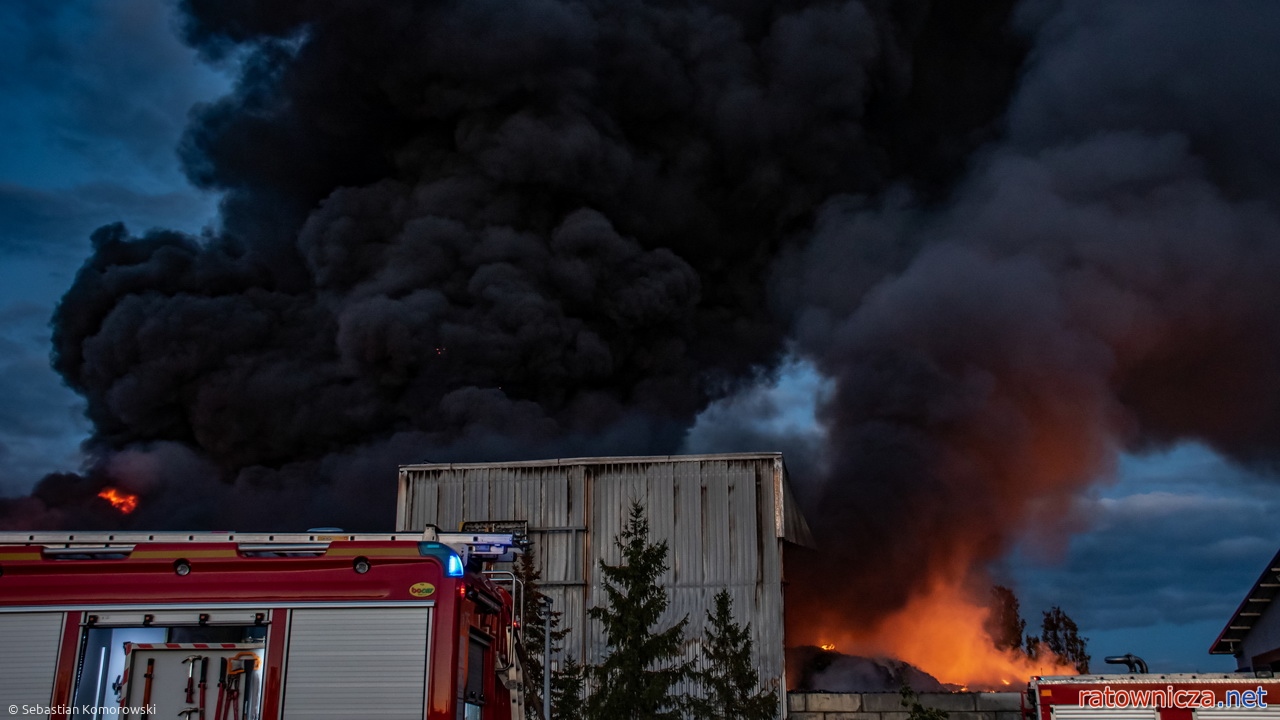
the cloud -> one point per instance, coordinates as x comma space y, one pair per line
773, 412
1155, 557
1154, 507
41, 421
56, 224
94, 90
93, 97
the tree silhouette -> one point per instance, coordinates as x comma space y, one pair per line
730, 683
1060, 635
566, 692
1004, 623
536, 619
636, 680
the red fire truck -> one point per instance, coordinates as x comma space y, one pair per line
228, 626
1154, 696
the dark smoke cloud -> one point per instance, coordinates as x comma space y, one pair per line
1103, 280
482, 230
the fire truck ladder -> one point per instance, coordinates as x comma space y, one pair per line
482, 547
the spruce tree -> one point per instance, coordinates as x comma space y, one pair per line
636, 681
566, 692
535, 620
730, 683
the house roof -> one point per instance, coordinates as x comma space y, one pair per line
1255, 603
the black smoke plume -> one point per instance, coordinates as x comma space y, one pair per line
1103, 279
482, 230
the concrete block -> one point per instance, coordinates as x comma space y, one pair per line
833, 702
806, 716
795, 702
951, 702
962, 715
900, 715
882, 702
1009, 715
853, 716
999, 701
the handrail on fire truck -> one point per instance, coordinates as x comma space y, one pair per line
487, 547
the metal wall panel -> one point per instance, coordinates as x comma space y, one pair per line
347, 663
719, 514
687, 541
31, 641
715, 524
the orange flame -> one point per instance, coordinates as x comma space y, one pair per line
942, 633
829, 647
120, 500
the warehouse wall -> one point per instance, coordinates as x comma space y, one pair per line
723, 517
888, 706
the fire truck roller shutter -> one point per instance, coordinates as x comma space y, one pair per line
30, 656
348, 663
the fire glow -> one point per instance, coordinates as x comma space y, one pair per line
942, 633
120, 500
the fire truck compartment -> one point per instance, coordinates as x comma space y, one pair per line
30, 660
357, 662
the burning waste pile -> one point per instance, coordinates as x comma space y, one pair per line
824, 669
942, 645
1012, 239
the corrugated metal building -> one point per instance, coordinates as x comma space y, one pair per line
724, 518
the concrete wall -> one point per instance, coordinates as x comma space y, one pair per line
888, 706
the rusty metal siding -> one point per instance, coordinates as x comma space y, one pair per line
723, 517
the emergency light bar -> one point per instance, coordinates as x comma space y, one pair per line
487, 547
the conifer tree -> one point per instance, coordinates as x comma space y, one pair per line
730, 683
636, 680
566, 692
535, 620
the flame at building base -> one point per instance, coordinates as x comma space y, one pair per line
942, 632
